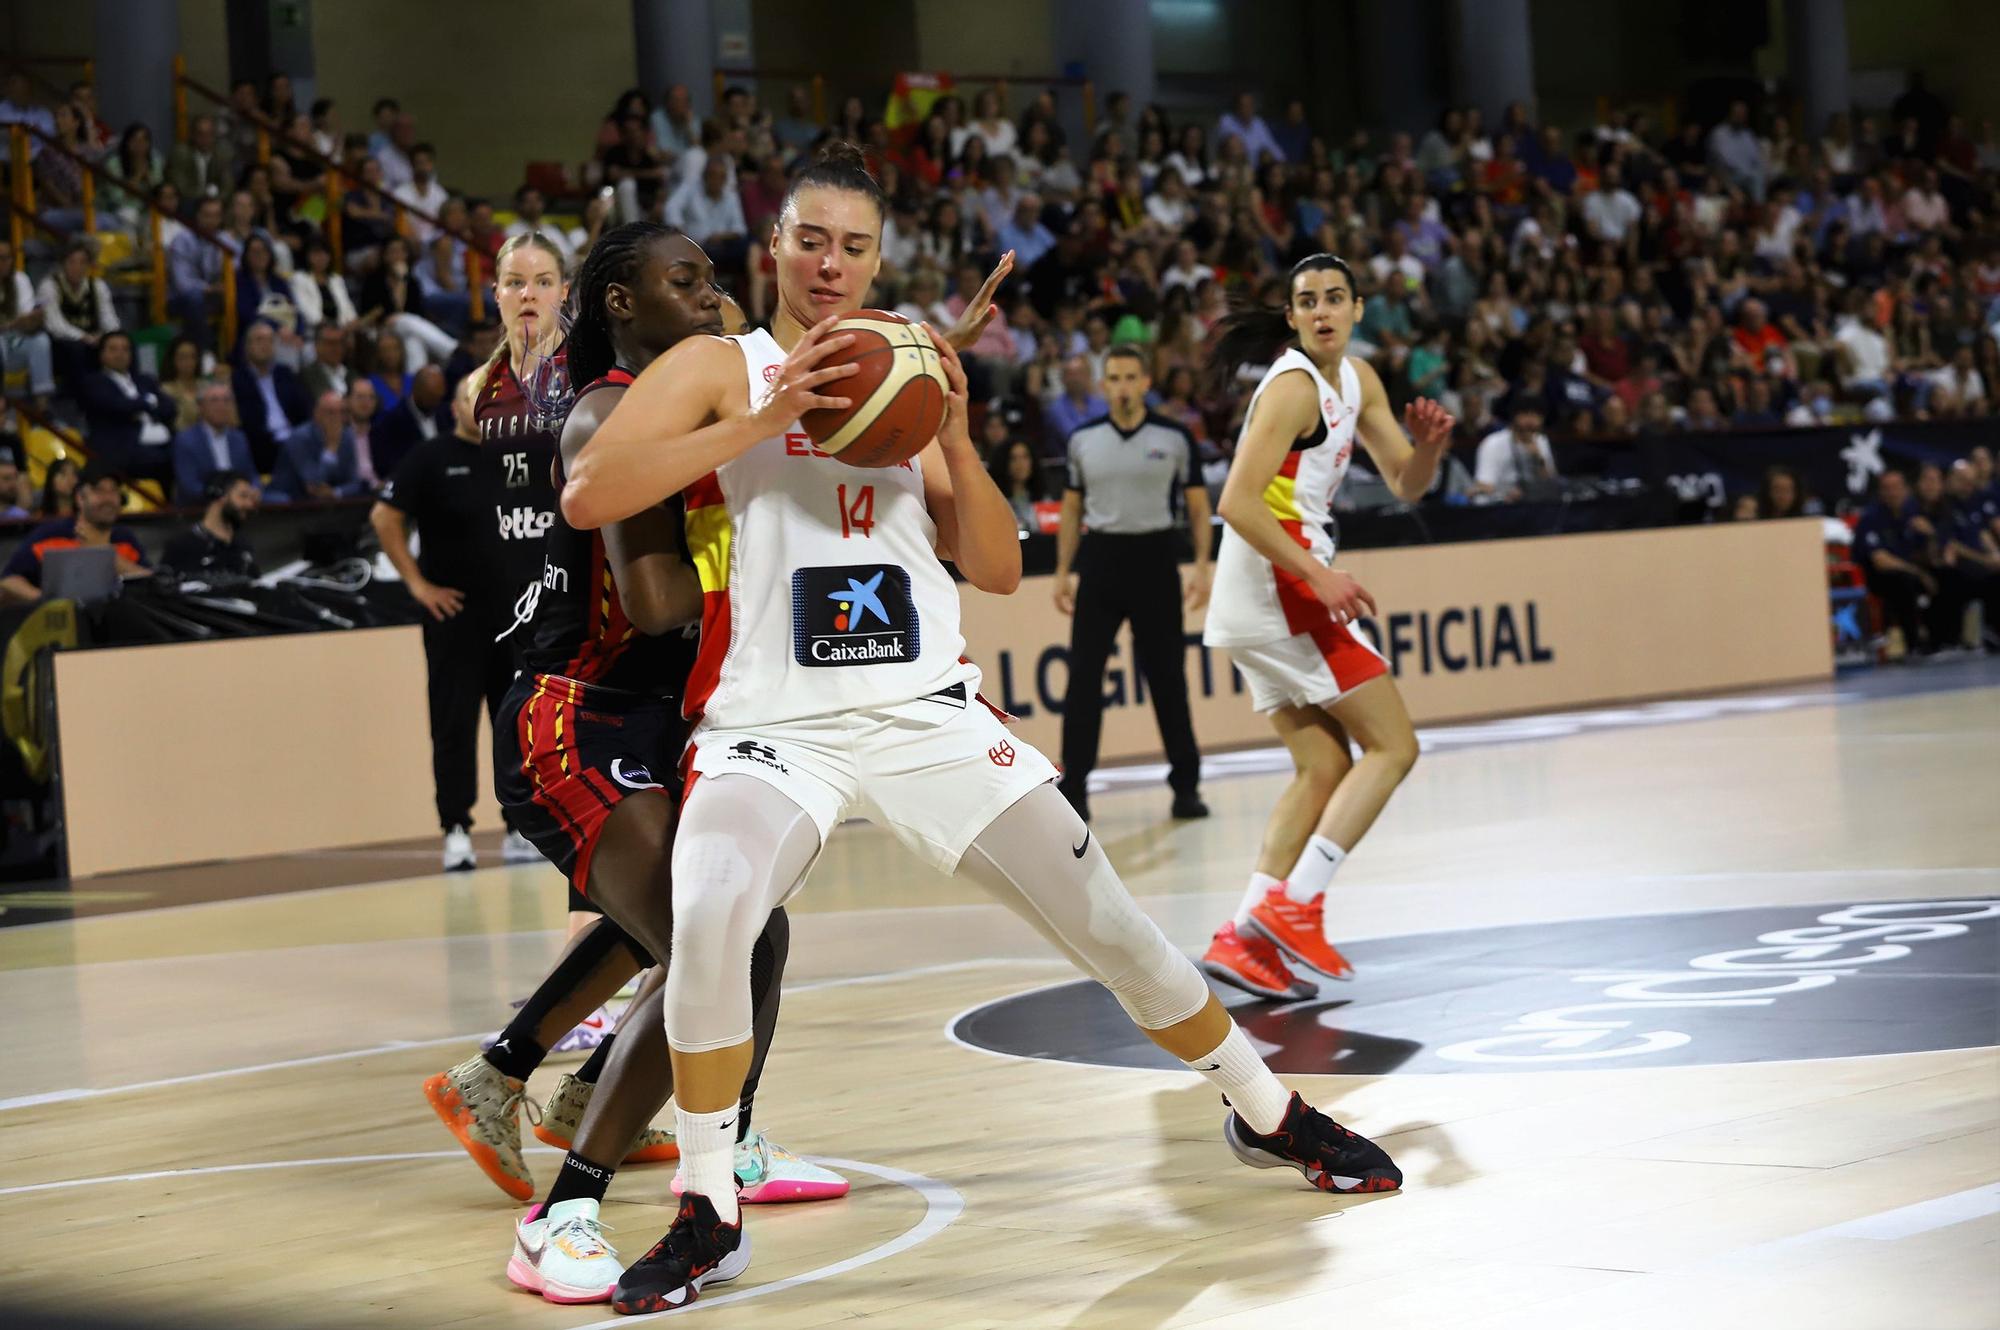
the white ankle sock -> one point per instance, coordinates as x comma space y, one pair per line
1235, 1069
1260, 883
1314, 870
708, 1157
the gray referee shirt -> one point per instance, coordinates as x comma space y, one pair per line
1132, 484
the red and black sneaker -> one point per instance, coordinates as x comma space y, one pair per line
697, 1251
1332, 1157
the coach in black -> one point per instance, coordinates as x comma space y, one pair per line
1133, 475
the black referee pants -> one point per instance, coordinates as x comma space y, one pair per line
1135, 578
467, 669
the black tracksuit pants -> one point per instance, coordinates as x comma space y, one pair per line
467, 670
1134, 578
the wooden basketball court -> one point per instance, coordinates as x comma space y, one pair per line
211, 1109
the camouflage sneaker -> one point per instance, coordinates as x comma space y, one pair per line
482, 1107
564, 1119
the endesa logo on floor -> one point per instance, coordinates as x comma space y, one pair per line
858, 614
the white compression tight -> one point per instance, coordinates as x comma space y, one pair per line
743, 847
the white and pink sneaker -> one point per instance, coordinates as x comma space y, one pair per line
563, 1255
769, 1174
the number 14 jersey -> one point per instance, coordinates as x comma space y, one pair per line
822, 591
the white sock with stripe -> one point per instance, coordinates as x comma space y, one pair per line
1234, 1068
1314, 870
708, 1157
1260, 884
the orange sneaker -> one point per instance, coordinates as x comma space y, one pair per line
563, 1118
483, 1110
1300, 931
1246, 959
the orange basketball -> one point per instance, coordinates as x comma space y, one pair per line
898, 394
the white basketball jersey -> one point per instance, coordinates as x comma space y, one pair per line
822, 590
1253, 602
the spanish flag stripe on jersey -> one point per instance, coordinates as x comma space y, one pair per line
708, 540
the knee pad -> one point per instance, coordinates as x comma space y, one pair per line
1162, 988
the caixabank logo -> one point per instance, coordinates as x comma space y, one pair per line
1764, 984
860, 614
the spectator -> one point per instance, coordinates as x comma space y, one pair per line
100, 496
1758, 409
992, 361
327, 137
214, 548
1762, 344
270, 400
213, 443
19, 107
675, 129
367, 216
321, 293
195, 271
397, 152
186, 368
1783, 495
264, 295
1078, 402
417, 416
203, 167
316, 460
139, 172
1611, 213
710, 211
364, 410
1515, 458
327, 371
1703, 415
422, 194
1243, 124
1865, 361
393, 299
76, 311
631, 103
59, 482
15, 492
1734, 153
59, 174
638, 172
1024, 233
1019, 475
1958, 389
129, 420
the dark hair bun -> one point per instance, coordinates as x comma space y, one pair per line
841, 153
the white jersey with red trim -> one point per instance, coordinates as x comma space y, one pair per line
1254, 601
822, 590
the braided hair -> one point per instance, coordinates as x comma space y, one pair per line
616, 257
838, 165
1254, 333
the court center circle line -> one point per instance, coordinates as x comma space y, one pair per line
942, 1206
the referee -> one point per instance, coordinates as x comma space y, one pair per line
1132, 476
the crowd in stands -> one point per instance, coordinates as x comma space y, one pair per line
1542, 281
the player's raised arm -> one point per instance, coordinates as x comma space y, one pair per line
687, 414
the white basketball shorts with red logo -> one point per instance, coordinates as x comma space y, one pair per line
935, 772
1315, 668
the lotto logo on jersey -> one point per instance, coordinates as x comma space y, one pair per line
860, 614
524, 523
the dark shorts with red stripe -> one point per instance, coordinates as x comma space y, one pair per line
574, 752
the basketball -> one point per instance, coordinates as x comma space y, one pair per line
897, 395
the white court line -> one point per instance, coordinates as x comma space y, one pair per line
400, 1045
942, 1205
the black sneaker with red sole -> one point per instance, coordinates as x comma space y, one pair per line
697, 1251
1331, 1157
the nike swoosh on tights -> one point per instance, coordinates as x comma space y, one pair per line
1213, 1066
1078, 850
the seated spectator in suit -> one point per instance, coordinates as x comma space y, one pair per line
212, 443
100, 495
419, 416
128, 419
316, 460
327, 371
364, 411
214, 548
270, 400
203, 167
